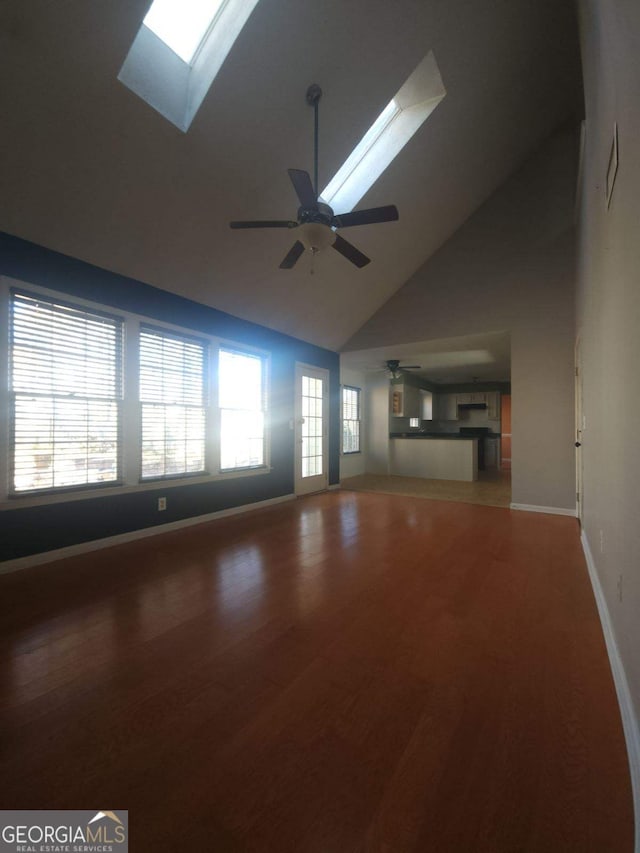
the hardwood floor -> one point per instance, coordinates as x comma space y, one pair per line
346, 672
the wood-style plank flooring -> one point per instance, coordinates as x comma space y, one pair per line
346, 672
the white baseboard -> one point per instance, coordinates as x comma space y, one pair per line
550, 510
630, 723
121, 538
333, 487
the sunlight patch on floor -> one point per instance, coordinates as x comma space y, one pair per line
493, 488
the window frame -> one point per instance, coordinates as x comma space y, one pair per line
357, 420
130, 422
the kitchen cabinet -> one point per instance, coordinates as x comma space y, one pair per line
447, 407
426, 405
475, 397
493, 405
408, 401
405, 401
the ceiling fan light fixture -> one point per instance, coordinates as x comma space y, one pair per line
316, 236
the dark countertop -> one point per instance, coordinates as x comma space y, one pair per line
447, 435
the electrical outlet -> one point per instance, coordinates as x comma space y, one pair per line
602, 541
162, 504
620, 588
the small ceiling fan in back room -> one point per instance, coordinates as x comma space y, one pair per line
395, 368
316, 223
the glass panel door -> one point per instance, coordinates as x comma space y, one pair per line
312, 387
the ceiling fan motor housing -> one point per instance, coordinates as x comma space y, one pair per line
314, 93
321, 213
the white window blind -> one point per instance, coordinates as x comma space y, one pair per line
66, 384
241, 400
172, 383
350, 419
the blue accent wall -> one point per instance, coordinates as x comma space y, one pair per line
31, 530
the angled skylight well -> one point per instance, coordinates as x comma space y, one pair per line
401, 118
183, 26
178, 52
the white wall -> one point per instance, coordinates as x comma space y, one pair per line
353, 464
511, 267
608, 321
378, 424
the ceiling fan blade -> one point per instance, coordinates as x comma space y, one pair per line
389, 213
265, 223
303, 187
350, 252
294, 253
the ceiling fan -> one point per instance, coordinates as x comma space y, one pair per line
394, 367
316, 221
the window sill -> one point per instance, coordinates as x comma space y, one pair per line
102, 491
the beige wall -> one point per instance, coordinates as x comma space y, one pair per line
511, 267
608, 316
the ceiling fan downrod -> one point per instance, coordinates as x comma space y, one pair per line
314, 93
317, 223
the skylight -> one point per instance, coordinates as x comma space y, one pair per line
387, 136
183, 25
178, 52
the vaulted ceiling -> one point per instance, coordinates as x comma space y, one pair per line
90, 170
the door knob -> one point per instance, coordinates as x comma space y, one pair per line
578, 444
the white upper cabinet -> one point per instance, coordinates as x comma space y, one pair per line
475, 397
448, 404
426, 405
447, 407
408, 401
405, 401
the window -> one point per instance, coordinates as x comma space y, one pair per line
66, 382
98, 400
399, 120
172, 384
313, 391
182, 25
242, 403
178, 51
350, 419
